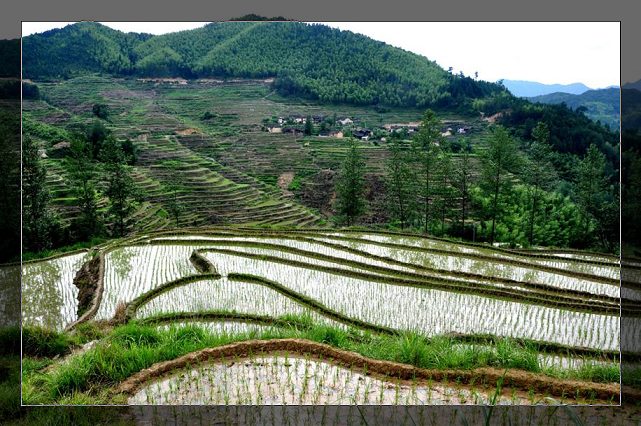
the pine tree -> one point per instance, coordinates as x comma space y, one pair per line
10, 182
309, 126
539, 172
175, 207
39, 222
596, 202
83, 174
120, 186
444, 186
400, 183
426, 146
498, 160
350, 201
462, 181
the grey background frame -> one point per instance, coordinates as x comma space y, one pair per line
332, 10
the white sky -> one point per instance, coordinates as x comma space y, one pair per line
546, 52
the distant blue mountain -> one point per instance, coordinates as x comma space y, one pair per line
635, 85
527, 89
600, 105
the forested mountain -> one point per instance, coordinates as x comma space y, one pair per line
10, 54
600, 105
79, 49
633, 85
313, 61
532, 88
631, 109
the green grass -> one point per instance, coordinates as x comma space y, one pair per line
9, 383
133, 347
27, 256
41, 342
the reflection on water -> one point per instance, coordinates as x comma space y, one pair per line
41, 297
9, 295
49, 298
121, 261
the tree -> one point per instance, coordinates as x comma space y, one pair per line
83, 173
309, 126
96, 135
100, 111
175, 207
426, 149
350, 201
539, 171
462, 180
597, 202
39, 222
444, 188
499, 159
400, 184
120, 186
10, 182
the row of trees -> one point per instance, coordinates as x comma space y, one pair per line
514, 195
97, 166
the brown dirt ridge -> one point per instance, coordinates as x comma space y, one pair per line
511, 378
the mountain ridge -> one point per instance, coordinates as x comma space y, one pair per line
600, 104
311, 60
524, 88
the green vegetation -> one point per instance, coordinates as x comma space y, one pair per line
83, 175
601, 105
350, 186
40, 224
10, 203
500, 159
400, 184
368, 72
133, 347
427, 150
120, 190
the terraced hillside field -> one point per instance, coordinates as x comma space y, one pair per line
227, 168
239, 315
207, 191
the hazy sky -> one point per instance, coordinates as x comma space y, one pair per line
547, 52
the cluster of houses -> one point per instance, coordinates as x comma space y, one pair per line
346, 126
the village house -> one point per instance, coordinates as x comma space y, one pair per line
345, 121
362, 133
291, 130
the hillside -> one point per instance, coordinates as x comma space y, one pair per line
631, 109
600, 105
313, 61
250, 123
526, 89
633, 85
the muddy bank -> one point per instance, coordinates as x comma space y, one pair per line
89, 281
201, 264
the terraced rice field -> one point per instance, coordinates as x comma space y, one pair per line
49, 298
209, 192
228, 281
289, 380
